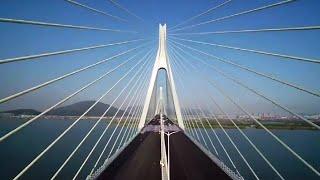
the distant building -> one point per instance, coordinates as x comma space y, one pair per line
6, 114
313, 117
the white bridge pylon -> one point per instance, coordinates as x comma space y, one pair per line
161, 62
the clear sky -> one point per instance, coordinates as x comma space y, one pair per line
19, 40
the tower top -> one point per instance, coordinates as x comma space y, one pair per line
162, 35
162, 51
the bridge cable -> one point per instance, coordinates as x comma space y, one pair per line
117, 138
223, 147
100, 156
274, 136
134, 130
189, 121
57, 172
138, 99
125, 9
216, 136
283, 56
237, 14
211, 143
95, 10
301, 28
74, 123
63, 100
120, 93
173, 53
57, 25
245, 136
86, 136
213, 146
181, 64
264, 75
13, 96
201, 14
266, 129
232, 163
189, 130
192, 130
205, 129
182, 85
186, 121
197, 118
133, 113
46, 54
114, 130
142, 86
127, 131
193, 126
105, 130
265, 97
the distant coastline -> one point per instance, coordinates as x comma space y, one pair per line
241, 123
274, 124
75, 109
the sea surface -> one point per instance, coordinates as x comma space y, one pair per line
19, 150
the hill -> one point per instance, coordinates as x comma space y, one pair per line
17, 112
75, 109
79, 108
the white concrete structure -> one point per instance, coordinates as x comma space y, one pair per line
162, 62
160, 104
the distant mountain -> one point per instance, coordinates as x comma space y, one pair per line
75, 109
79, 108
17, 112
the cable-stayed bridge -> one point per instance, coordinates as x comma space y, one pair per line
170, 119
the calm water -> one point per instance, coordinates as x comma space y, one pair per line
21, 148
304, 142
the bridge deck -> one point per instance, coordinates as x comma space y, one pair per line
141, 159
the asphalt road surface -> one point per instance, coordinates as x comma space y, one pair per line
141, 159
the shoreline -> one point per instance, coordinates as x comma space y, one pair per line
242, 124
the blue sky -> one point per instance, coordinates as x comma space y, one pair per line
18, 40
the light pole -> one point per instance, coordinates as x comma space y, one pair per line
169, 134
